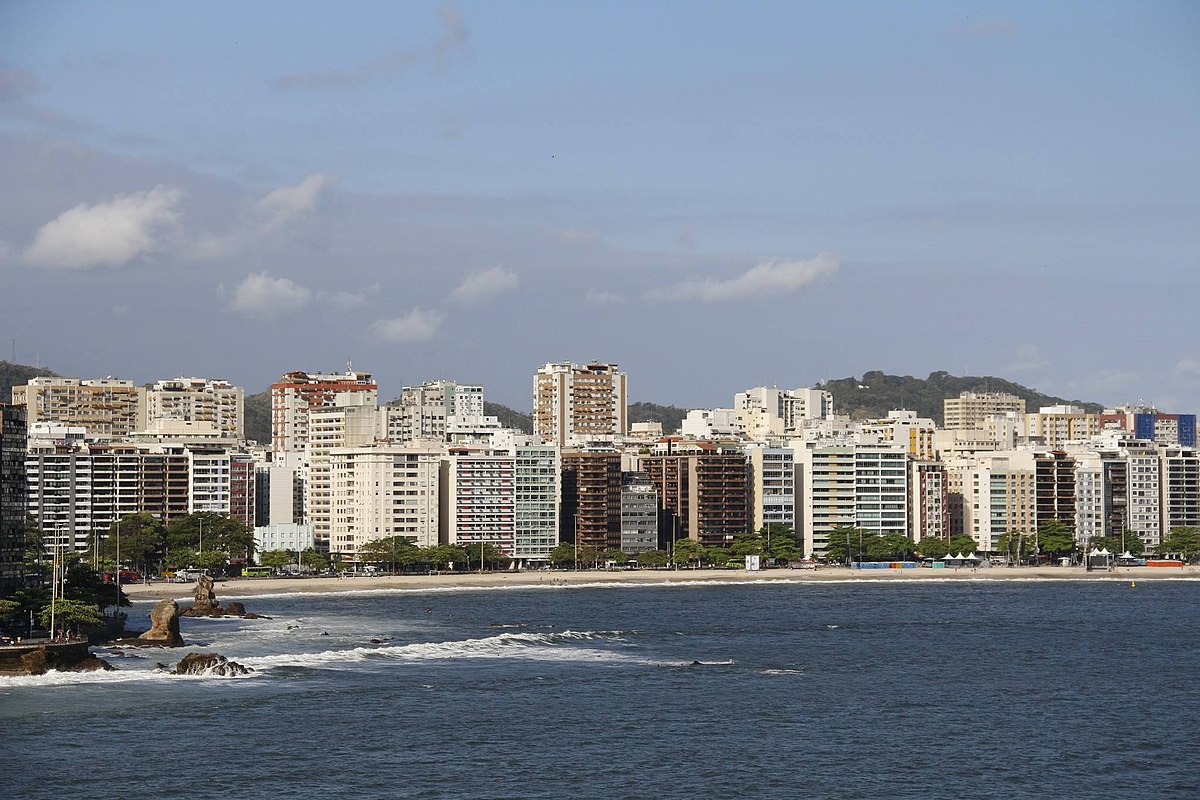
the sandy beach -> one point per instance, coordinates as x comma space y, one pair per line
249, 587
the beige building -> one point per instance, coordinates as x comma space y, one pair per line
199, 400
425, 412
105, 407
1000, 495
906, 429
971, 411
574, 405
1055, 425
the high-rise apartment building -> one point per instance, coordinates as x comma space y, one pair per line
424, 412
215, 402
845, 484
639, 513
928, 501
349, 422
972, 411
772, 485
105, 407
591, 498
382, 491
764, 411
703, 490
297, 393
13, 497
1054, 426
575, 405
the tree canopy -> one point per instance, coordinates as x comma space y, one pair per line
142, 540
1184, 542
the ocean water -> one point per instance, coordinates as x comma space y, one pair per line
827, 690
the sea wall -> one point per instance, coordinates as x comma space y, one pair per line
39, 657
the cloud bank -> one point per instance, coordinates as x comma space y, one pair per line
415, 326
263, 295
108, 234
484, 284
768, 278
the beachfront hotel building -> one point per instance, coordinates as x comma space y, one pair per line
13, 497
575, 405
106, 407
384, 490
639, 513
297, 393
426, 411
1000, 496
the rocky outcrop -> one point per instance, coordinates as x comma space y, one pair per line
164, 628
206, 604
209, 664
38, 659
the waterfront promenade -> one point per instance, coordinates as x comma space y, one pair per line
249, 587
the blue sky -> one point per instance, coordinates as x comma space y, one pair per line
713, 195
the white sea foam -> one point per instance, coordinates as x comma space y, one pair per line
545, 646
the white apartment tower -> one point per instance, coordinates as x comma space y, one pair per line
425, 412
574, 405
971, 411
382, 491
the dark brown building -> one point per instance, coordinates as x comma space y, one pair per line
591, 499
704, 492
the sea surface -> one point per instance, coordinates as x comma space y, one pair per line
855, 689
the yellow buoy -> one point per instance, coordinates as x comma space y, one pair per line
1133, 584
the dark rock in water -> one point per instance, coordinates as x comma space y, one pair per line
235, 608
206, 604
377, 641
209, 664
93, 664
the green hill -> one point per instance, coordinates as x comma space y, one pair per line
509, 417
16, 375
671, 417
876, 393
258, 417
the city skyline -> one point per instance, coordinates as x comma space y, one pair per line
790, 193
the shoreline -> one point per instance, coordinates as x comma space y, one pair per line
239, 588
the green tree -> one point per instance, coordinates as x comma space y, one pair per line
589, 555
1117, 545
653, 558
71, 613
142, 541
563, 554
933, 547
1055, 537
616, 555
686, 551
963, 544
311, 559
9, 610
275, 559
215, 531
783, 544
394, 551
750, 543
1182, 542
845, 544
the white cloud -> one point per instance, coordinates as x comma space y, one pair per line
260, 293
347, 300
484, 284
1188, 367
768, 278
603, 297
288, 202
415, 326
105, 234
1029, 359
